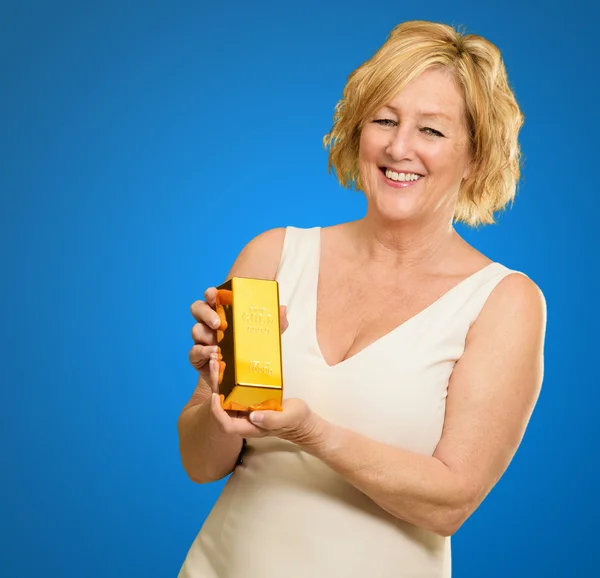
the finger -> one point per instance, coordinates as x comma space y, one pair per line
204, 313
283, 321
203, 335
269, 420
223, 417
231, 424
200, 354
242, 427
223, 420
214, 375
211, 296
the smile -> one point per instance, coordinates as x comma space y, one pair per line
399, 179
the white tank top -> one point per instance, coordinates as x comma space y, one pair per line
285, 514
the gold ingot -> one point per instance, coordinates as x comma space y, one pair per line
249, 338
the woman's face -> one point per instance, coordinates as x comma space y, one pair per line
414, 152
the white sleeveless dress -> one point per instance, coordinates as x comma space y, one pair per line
285, 514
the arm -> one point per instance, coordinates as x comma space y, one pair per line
491, 395
207, 452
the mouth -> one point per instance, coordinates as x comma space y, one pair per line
400, 178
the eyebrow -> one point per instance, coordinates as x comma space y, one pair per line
426, 114
435, 115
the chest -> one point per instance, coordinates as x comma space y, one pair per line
353, 311
372, 357
392, 390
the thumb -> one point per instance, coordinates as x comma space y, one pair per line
269, 420
283, 321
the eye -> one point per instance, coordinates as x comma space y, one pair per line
431, 131
385, 122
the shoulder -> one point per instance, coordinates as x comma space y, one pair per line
260, 257
516, 293
515, 311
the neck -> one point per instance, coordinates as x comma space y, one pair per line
406, 245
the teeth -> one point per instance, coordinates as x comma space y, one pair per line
401, 176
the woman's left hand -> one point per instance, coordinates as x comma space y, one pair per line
295, 423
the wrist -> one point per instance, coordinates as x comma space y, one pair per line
315, 436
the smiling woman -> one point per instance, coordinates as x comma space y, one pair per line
412, 362
418, 142
487, 111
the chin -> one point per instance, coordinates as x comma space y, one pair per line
396, 210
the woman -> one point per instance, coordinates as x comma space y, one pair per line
412, 362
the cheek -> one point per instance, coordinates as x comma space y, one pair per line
370, 145
365, 160
446, 166
462, 156
364, 152
367, 166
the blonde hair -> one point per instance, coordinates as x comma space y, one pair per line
492, 114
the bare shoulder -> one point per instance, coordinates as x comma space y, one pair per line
261, 255
508, 335
515, 304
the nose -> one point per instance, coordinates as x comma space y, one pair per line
401, 144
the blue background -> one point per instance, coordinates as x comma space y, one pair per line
129, 129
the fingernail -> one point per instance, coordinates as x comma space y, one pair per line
256, 417
216, 324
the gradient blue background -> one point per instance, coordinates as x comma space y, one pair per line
127, 128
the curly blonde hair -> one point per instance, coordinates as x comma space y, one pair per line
492, 114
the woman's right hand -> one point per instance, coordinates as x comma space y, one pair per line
204, 334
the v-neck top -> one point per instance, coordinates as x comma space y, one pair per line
284, 512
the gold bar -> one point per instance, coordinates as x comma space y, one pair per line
250, 375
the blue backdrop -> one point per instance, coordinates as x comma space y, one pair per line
134, 136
